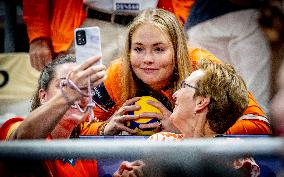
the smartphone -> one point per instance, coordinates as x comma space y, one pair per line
87, 43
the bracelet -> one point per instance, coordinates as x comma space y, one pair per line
102, 128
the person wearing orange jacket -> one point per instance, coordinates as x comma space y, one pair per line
50, 25
204, 110
156, 60
54, 116
181, 8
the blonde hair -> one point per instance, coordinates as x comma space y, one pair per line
227, 91
168, 23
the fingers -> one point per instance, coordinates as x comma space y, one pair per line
122, 167
117, 125
131, 173
125, 118
80, 77
151, 125
98, 82
138, 167
80, 117
121, 127
131, 101
132, 169
89, 72
138, 163
89, 62
98, 76
124, 128
93, 70
120, 170
116, 174
125, 109
152, 115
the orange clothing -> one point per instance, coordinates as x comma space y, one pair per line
55, 19
181, 8
56, 168
247, 126
113, 84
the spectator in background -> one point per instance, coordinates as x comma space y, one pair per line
277, 105
230, 30
181, 8
272, 23
50, 25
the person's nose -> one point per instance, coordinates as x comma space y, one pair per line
148, 58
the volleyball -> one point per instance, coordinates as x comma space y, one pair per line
145, 107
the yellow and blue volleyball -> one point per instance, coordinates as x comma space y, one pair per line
145, 107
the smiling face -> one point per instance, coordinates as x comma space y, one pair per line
186, 104
152, 56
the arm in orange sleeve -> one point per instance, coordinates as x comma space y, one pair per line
36, 14
249, 127
253, 120
91, 130
9, 127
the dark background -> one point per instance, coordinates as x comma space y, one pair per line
13, 34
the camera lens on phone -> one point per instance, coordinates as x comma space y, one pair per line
80, 37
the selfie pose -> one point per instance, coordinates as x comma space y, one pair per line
54, 116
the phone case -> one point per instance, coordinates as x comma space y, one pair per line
87, 43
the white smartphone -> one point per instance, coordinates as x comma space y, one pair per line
87, 43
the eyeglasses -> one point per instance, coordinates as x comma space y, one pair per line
184, 84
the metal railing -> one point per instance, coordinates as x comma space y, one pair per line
137, 149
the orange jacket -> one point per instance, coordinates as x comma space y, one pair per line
56, 168
181, 8
55, 19
251, 126
242, 126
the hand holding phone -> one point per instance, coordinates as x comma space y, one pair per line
87, 44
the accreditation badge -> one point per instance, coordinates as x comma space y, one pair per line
127, 5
